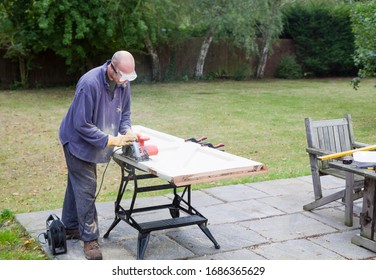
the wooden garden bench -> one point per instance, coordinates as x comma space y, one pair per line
327, 137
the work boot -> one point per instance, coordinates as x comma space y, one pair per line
72, 233
92, 250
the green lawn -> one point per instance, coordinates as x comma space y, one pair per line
15, 243
262, 120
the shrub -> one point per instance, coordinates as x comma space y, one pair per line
288, 68
242, 72
323, 38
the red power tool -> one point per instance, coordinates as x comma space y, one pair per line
139, 151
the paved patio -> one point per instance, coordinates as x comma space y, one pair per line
256, 221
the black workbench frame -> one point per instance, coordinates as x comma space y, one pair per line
178, 205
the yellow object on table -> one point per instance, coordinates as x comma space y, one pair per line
346, 153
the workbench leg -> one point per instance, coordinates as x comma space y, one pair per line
142, 243
114, 224
207, 232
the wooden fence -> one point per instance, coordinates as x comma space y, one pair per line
222, 59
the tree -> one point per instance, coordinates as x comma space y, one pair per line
79, 31
270, 26
149, 24
223, 19
83, 32
364, 28
240, 21
18, 35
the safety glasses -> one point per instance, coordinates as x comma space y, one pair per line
124, 77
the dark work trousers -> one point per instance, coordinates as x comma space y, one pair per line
79, 209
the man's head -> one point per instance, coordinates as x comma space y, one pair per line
122, 67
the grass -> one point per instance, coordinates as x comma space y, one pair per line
262, 120
15, 244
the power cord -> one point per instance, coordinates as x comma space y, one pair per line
104, 172
101, 184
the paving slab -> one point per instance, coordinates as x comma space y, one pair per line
229, 236
242, 254
285, 203
254, 221
239, 210
160, 247
201, 198
283, 187
334, 217
235, 193
297, 249
340, 243
289, 226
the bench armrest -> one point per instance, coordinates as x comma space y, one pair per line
360, 145
317, 152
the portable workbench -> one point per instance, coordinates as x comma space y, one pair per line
180, 164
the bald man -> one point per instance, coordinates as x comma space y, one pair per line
97, 120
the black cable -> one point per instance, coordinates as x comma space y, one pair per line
44, 236
104, 172
101, 184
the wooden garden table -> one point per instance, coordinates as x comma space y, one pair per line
366, 238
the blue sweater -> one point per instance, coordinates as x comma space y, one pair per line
93, 115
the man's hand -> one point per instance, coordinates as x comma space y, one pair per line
121, 140
131, 135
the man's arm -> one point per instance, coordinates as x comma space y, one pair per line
82, 120
121, 140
